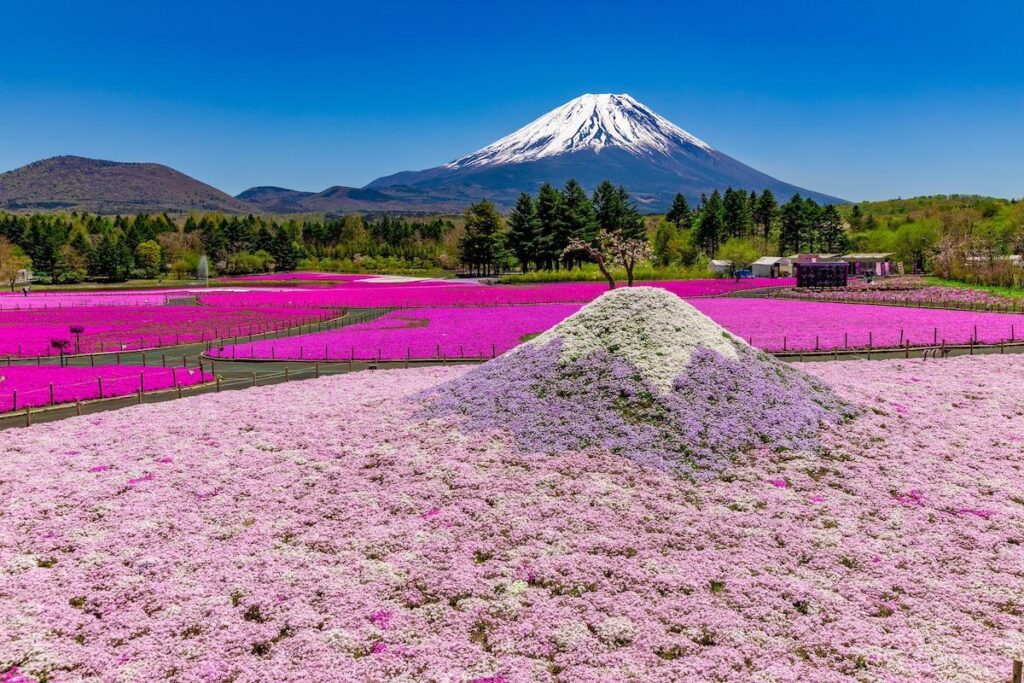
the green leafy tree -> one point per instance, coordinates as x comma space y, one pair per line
148, 258
667, 244
739, 252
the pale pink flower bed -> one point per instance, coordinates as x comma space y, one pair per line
319, 531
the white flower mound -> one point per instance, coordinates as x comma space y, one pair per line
651, 328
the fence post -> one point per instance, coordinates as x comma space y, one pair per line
51, 394
254, 379
78, 408
317, 371
163, 359
14, 400
139, 393
28, 416
142, 381
286, 373
1018, 671
99, 383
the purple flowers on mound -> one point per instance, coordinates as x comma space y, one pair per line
715, 408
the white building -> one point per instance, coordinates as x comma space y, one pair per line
772, 266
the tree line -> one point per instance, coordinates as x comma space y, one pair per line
67, 248
540, 228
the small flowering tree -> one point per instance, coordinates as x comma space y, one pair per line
612, 249
77, 330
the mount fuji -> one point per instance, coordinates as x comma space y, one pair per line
591, 138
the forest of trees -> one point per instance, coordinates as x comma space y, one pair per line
67, 248
539, 229
961, 237
734, 225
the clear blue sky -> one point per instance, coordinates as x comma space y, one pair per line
864, 100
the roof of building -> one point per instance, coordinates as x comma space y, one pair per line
720, 262
880, 256
771, 261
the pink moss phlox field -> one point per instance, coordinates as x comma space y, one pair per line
768, 324
267, 536
771, 324
907, 290
414, 333
441, 293
30, 332
32, 383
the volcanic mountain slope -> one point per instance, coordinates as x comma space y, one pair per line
643, 374
72, 183
592, 138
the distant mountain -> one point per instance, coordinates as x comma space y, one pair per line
69, 183
339, 199
591, 138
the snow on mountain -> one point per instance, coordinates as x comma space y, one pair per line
588, 122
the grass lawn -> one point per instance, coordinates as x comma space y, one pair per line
1012, 292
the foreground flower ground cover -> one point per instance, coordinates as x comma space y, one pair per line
30, 385
30, 332
274, 536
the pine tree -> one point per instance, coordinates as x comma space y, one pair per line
679, 213
549, 219
830, 230
482, 247
578, 219
523, 229
711, 226
735, 213
617, 213
764, 214
811, 224
791, 226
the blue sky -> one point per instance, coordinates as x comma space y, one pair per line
864, 100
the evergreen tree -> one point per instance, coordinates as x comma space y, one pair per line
549, 218
679, 213
617, 213
765, 212
711, 226
856, 217
579, 219
811, 225
482, 247
735, 213
523, 230
830, 230
667, 243
791, 226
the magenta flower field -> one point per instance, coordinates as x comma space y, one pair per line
441, 293
319, 530
414, 333
117, 328
775, 325
26, 386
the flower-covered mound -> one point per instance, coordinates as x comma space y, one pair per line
643, 374
270, 535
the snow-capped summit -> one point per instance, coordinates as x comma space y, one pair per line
591, 122
590, 139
